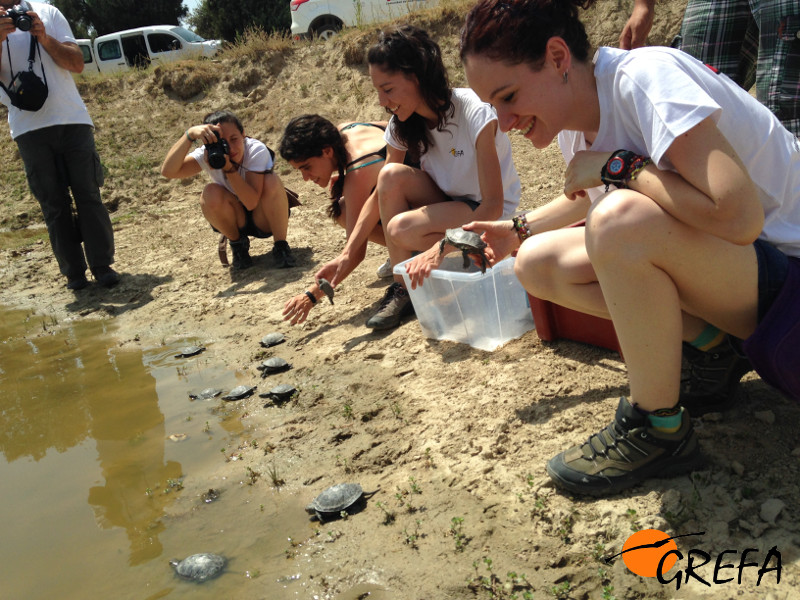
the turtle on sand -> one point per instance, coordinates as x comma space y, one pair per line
240, 392
336, 499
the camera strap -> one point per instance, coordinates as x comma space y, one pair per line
31, 60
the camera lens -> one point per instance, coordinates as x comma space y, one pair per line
23, 23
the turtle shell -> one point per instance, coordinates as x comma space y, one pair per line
188, 351
206, 394
240, 392
280, 393
326, 288
272, 339
199, 567
335, 499
274, 364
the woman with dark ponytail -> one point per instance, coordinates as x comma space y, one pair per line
690, 189
348, 158
465, 167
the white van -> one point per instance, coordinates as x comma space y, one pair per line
324, 18
143, 45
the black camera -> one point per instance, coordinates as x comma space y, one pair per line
216, 152
19, 17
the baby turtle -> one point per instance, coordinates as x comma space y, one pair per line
468, 242
326, 287
334, 500
273, 365
240, 392
199, 567
280, 393
206, 394
272, 339
188, 351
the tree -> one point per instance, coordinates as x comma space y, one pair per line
108, 16
228, 19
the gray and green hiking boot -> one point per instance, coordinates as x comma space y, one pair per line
395, 305
625, 453
710, 381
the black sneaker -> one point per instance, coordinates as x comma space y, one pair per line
395, 305
77, 283
625, 453
241, 255
105, 276
283, 254
710, 381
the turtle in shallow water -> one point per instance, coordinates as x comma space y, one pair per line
188, 351
280, 393
337, 498
206, 394
273, 365
199, 567
240, 392
326, 288
468, 242
272, 339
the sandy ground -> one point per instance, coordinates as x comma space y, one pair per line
469, 430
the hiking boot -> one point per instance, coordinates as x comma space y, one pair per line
77, 283
710, 381
385, 270
283, 254
241, 255
105, 276
626, 452
395, 305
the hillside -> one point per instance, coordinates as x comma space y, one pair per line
474, 429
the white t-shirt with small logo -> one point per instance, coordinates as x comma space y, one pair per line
451, 160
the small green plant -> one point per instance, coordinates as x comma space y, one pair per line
347, 411
631, 514
429, 459
561, 590
415, 489
274, 476
252, 476
389, 516
173, 485
206, 428
342, 462
496, 588
411, 538
457, 531
396, 410
565, 528
148, 492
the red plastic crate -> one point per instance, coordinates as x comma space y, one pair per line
553, 322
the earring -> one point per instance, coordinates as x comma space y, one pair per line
566, 76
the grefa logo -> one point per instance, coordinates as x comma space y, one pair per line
652, 553
456, 153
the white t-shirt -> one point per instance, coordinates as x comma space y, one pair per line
64, 105
257, 159
451, 160
650, 96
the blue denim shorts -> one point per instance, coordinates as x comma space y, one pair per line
468, 201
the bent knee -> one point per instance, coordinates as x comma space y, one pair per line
537, 268
621, 221
391, 177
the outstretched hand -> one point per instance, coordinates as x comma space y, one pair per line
420, 267
296, 309
500, 237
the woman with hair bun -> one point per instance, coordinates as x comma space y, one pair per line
691, 193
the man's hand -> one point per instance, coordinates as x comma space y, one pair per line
634, 34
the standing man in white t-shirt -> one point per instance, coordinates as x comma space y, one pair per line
56, 142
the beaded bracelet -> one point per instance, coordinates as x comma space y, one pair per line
311, 297
522, 228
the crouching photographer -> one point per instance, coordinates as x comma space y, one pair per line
55, 136
245, 197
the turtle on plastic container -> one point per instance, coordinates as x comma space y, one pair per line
468, 242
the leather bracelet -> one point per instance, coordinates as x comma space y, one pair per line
311, 297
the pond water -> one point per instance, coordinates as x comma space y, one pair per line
93, 502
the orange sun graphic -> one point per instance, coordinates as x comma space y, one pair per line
644, 549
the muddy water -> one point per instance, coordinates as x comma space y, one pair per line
97, 497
